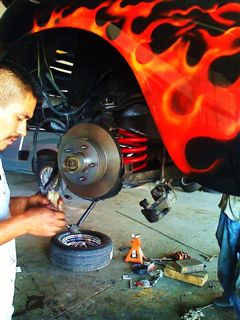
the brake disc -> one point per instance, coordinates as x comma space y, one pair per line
90, 162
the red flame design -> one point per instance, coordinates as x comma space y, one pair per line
183, 101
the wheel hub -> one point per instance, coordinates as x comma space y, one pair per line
90, 161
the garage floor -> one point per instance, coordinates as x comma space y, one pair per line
45, 292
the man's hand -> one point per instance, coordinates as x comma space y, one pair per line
38, 200
43, 221
34, 215
19, 205
38, 221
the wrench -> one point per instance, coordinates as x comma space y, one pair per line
74, 228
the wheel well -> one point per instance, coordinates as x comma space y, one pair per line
91, 55
46, 154
43, 155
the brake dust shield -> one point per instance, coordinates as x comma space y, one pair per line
90, 162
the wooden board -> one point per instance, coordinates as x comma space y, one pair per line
198, 278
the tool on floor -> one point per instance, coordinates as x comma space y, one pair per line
129, 278
208, 258
74, 228
155, 280
143, 283
161, 261
139, 268
154, 272
195, 314
135, 254
179, 255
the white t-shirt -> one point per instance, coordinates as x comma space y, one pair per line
7, 255
231, 206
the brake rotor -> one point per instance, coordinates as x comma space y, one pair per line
90, 162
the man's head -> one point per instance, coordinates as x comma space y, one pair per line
18, 98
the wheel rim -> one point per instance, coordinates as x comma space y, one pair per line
79, 240
45, 176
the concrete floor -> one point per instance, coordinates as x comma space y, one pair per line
45, 292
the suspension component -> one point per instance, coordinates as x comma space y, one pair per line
133, 148
164, 197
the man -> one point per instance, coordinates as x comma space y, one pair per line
21, 215
228, 236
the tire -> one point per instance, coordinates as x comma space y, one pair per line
96, 255
45, 167
188, 185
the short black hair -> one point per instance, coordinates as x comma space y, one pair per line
15, 83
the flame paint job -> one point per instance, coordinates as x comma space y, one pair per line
186, 58
184, 54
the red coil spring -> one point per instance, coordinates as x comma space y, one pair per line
134, 149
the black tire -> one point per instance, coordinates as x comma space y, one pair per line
95, 256
45, 166
188, 185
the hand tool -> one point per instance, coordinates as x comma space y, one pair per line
74, 228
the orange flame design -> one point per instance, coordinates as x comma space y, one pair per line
183, 101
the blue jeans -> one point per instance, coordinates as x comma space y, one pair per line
228, 236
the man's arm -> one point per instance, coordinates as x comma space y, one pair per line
11, 228
37, 221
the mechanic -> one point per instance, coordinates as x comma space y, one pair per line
228, 237
20, 215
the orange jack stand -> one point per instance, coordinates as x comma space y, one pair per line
135, 254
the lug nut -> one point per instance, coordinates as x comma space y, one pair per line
91, 165
68, 150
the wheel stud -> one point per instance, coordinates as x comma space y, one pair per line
92, 165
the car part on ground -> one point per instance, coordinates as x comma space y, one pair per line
82, 251
90, 162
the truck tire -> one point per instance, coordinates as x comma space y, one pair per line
82, 251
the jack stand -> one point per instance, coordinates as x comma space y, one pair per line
135, 254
